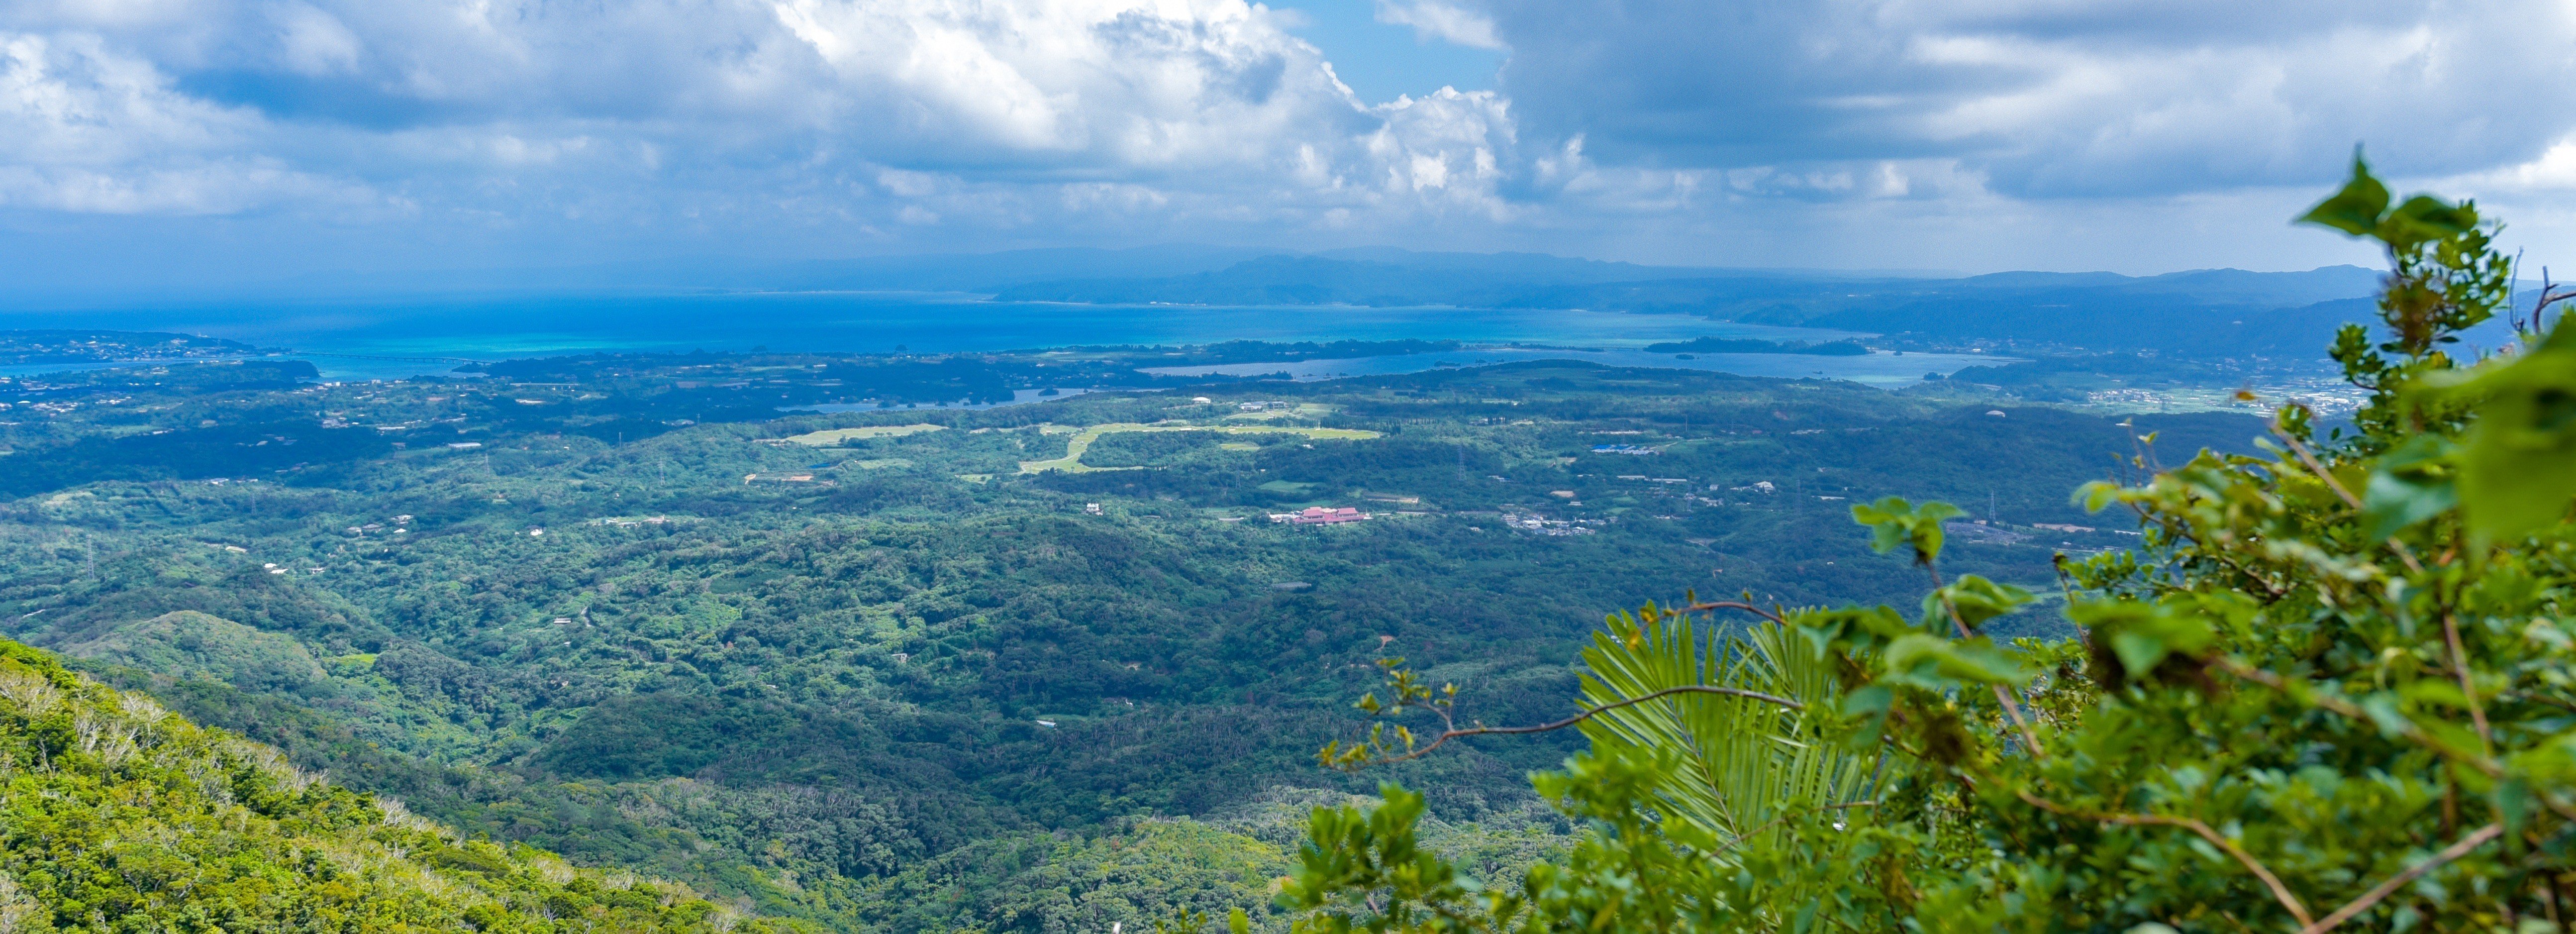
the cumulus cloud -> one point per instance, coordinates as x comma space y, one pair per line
2553, 170
808, 99
2048, 98
881, 124
85, 129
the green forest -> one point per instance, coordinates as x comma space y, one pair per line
858, 670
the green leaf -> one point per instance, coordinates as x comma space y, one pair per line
1734, 763
1935, 663
2138, 651
2097, 494
2412, 483
2382, 709
2515, 803
2143, 634
2517, 463
2356, 209
1975, 599
1868, 701
1893, 521
2423, 219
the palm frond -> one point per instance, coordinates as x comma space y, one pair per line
1742, 762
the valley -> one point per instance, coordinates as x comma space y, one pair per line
836, 668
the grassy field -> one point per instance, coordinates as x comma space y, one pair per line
840, 435
1302, 410
1074, 447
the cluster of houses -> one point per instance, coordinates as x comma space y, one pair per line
629, 523
1319, 515
398, 522
1532, 522
783, 478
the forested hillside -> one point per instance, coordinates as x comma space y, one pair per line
119, 816
902, 669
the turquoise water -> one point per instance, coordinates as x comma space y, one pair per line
1885, 370
381, 340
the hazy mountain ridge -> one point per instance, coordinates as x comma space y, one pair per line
2209, 312
1400, 277
2203, 313
2108, 320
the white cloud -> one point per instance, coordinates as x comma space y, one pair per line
1189, 101
1442, 21
2553, 170
312, 42
1853, 128
2048, 98
216, 187
84, 129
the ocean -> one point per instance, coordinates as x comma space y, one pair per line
395, 339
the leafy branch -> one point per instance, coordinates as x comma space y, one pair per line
2316, 662
1407, 692
2280, 892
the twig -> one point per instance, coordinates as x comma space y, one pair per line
2474, 840
2537, 699
2002, 697
2450, 624
2146, 453
2313, 697
1732, 605
2550, 294
2274, 592
2280, 893
1448, 734
2407, 729
2468, 690
2314, 466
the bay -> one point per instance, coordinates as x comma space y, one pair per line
1882, 369
386, 339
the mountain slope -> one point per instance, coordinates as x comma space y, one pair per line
118, 815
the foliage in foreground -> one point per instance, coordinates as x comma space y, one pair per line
116, 815
2333, 688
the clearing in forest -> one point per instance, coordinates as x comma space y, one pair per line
1301, 410
1071, 462
833, 436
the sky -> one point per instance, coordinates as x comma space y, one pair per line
175, 142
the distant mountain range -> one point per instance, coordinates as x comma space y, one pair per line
1397, 277
2201, 312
